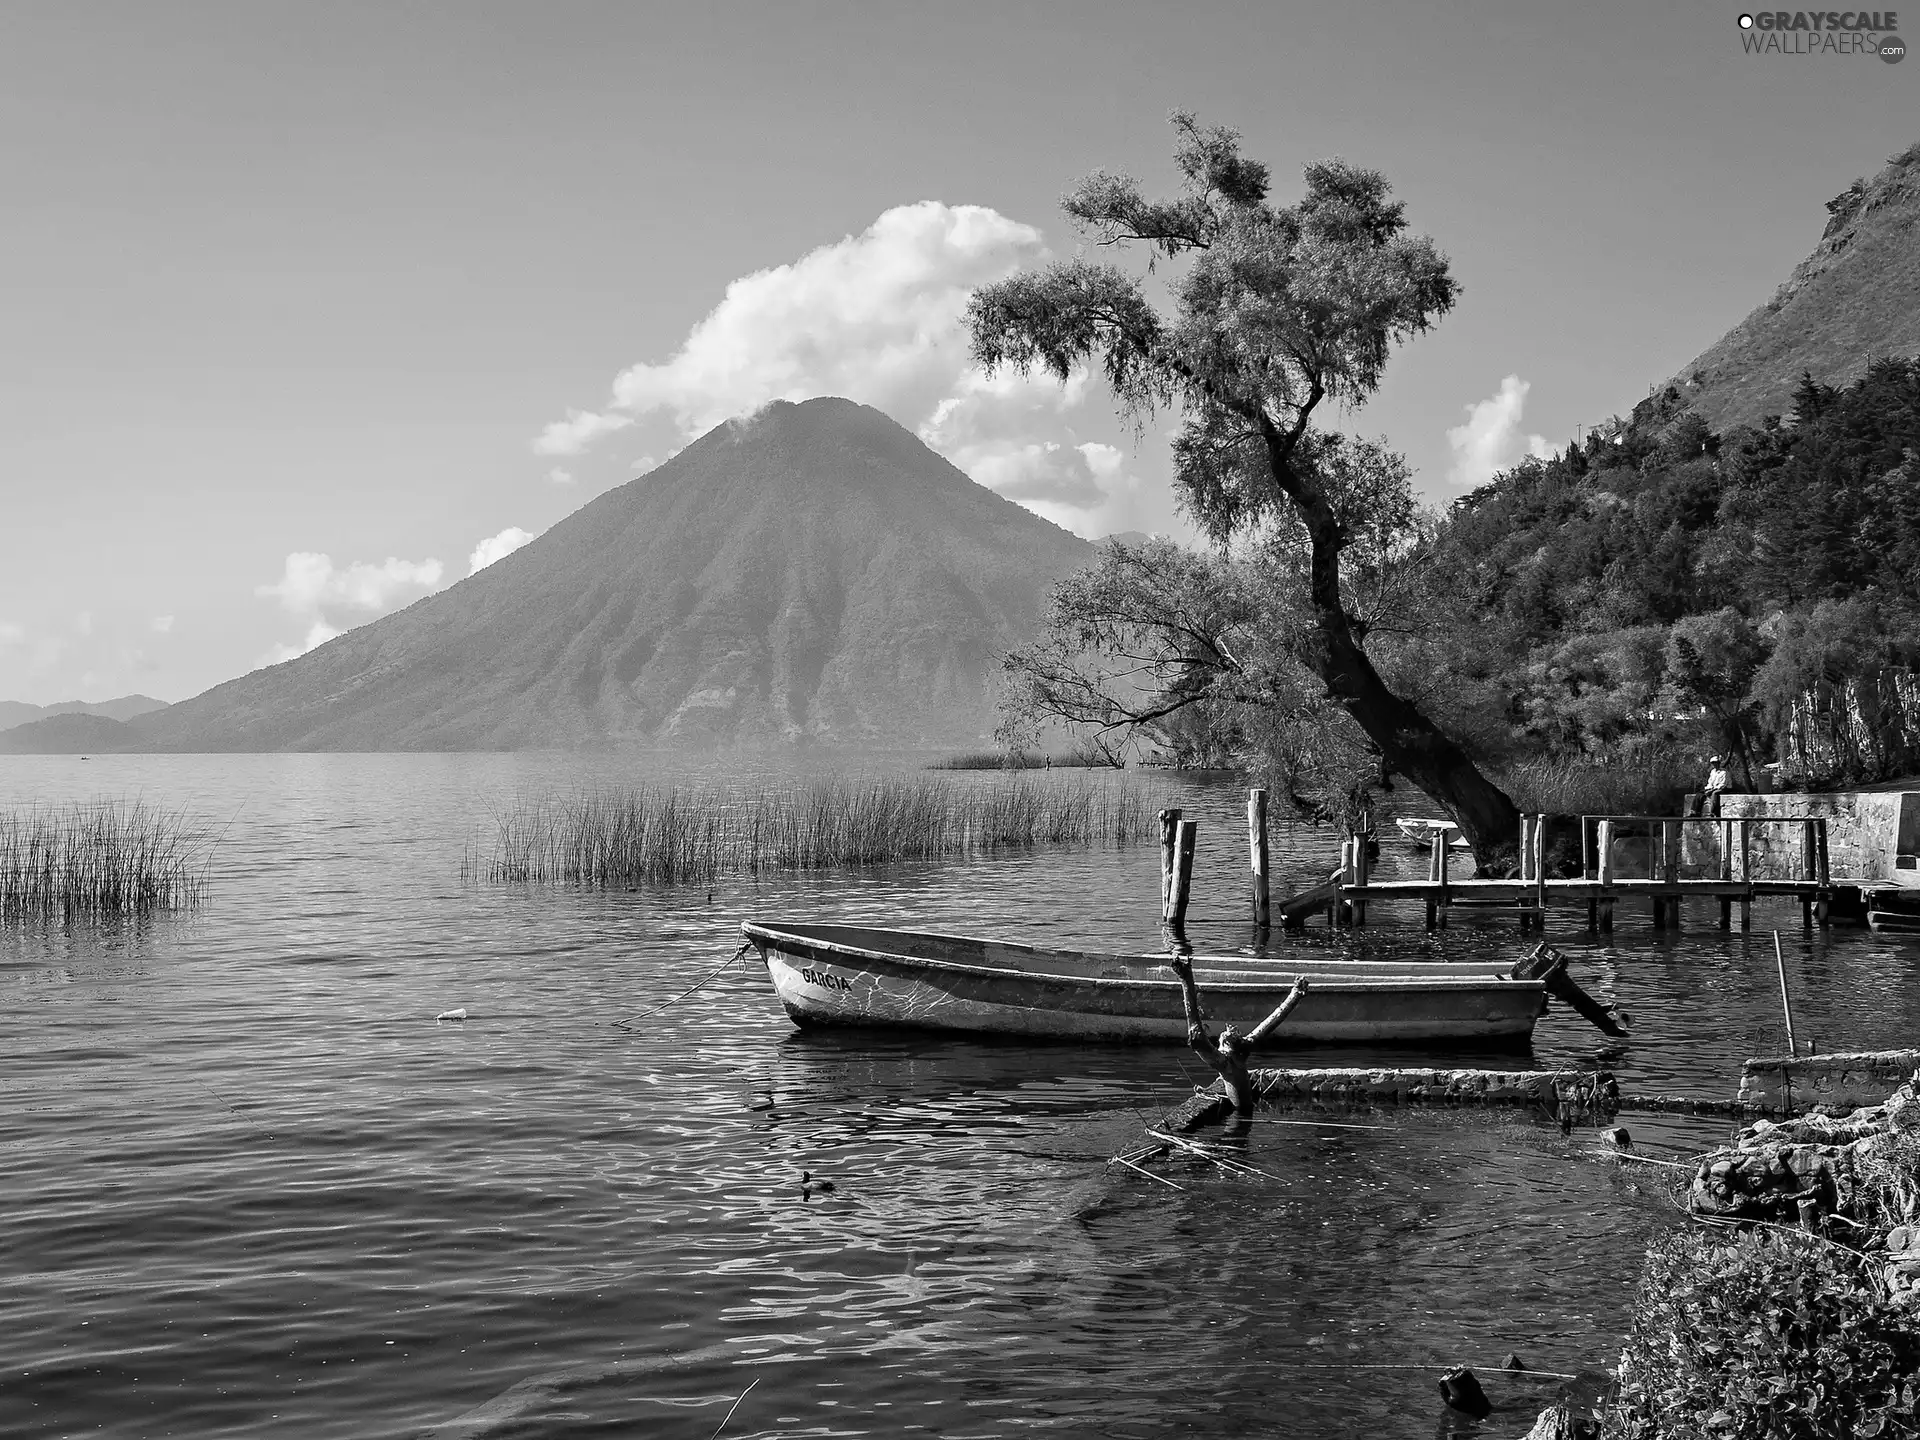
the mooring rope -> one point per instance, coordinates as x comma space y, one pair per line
626, 1023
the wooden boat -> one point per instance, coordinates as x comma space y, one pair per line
1421, 833
855, 975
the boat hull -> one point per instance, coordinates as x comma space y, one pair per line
983, 987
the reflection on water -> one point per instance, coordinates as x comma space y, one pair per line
252, 1183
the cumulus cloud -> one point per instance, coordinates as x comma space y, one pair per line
880, 317
161, 624
876, 317
495, 546
574, 434
330, 600
557, 476
1492, 439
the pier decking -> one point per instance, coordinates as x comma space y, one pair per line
1683, 858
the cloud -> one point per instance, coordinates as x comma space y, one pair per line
880, 318
557, 476
330, 600
876, 317
495, 546
161, 624
83, 622
12, 633
574, 434
1491, 440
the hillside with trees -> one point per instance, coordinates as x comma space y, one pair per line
1580, 633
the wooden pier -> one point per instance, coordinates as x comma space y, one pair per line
1725, 848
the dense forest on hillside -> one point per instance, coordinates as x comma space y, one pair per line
1663, 586
1651, 596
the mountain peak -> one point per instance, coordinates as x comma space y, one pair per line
811, 572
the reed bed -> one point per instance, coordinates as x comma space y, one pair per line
696, 835
101, 860
1650, 784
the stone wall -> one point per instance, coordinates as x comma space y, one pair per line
1863, 835
1831, 1082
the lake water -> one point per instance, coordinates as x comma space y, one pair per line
252, 1186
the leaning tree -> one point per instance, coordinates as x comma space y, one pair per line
1276, 312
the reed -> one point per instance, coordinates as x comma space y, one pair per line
653, 834
1650, 784
99, 860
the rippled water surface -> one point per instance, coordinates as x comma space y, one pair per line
252, 1186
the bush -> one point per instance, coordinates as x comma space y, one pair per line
1763, 1335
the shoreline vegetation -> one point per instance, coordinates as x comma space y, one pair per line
696, 835
100, 860
1078, 759
1790, 1312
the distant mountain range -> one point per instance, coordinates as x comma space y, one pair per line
15, 713
812, 574
1856, 297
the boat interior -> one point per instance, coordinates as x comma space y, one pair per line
1040, 959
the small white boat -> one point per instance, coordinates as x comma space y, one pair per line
1422, 833
858, 975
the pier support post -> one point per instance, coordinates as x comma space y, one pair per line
1182, 874
1362, 870
1670, 864
1540, 871
1724, 873
1822, 874
1169, 848
1257, 854
1603, 874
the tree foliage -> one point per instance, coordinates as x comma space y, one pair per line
1277, 311
1662, 585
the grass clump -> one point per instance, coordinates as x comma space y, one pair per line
696, 835
98, 861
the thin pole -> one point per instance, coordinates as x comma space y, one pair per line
1786, 1004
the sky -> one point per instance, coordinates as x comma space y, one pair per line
311, 310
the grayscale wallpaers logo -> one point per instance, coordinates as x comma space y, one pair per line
1824, 32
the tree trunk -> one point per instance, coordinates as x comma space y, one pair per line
1408, 740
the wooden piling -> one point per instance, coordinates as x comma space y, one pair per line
1182, 873
1540, 870
1670, 867
1823, 876
1603, 848
1725, 873
1257, 854
1169, 831
1746, 874
1444, 899
1435, 859
1362, 868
